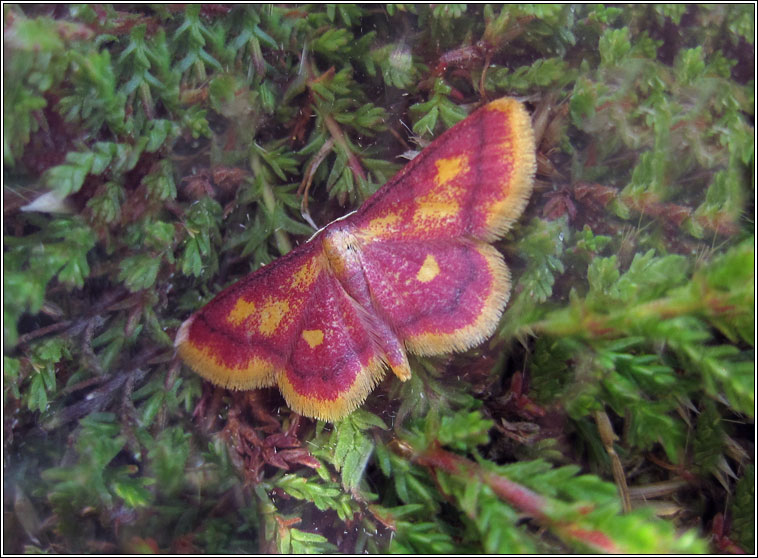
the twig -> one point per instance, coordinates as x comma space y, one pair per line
608, 437
305, 185
52, 328
518, 496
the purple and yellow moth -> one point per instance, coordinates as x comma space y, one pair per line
412, 270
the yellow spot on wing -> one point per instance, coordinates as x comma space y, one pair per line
241, 311
381, 225
442, 202
429, 269
304, 276
470, 335
314, 337
271, 314
433, 212
449, 168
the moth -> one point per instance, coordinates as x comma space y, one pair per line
413, 270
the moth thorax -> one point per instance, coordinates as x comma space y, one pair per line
341, 249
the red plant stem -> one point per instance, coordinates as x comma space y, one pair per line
339, 138
52, 328
518, 496
596, 540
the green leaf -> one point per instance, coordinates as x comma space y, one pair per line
743, 509
427, 123
133, 491
106, 205
139, 271
66, 179
309, 543
102, 154
464, 432
168, 457
331, 41
159, 134
542, 244
614, 45
160, 182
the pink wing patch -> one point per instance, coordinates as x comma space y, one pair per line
438, 295
335, 361
472, 181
